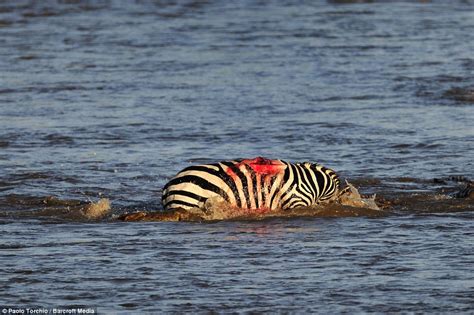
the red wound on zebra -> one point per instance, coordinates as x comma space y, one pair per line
264, 166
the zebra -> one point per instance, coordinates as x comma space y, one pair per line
258, 183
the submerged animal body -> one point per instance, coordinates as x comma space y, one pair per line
256, 184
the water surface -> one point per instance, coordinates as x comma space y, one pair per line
110, 100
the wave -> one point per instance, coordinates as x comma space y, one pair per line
390, 196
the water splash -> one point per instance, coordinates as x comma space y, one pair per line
349, 204
57, 209
96, 210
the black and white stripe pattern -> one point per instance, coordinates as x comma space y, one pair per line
251, 184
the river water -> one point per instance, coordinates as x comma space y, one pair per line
103, 99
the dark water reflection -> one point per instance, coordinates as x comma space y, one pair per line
102, 99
